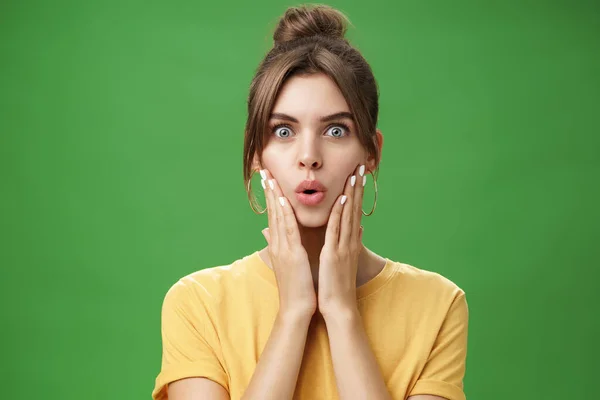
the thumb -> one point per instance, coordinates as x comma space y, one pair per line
266, 234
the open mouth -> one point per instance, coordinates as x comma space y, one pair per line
310, 197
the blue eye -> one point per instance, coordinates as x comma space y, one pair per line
284, 128
337, 132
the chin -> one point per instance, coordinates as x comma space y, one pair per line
312, 217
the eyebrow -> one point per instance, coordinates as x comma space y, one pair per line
285, 117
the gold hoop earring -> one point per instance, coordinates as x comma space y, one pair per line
248, 191
375, 202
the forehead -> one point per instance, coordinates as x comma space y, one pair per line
310, 97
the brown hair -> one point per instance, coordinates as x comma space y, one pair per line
310, 39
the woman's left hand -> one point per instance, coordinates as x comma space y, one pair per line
338, 261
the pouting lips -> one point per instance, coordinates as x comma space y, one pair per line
313, 186
310, 197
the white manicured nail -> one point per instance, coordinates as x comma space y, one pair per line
263, 175
364, 180
271, 184
281, 201
361, 170
343, 199
353, 180
262, 182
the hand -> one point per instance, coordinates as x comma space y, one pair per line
289, 259
338, 261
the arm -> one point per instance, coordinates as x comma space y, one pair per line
195, 389
445, 368
192, 361
356, 370
276, 373
186, 388
357, 373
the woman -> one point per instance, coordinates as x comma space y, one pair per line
314, 314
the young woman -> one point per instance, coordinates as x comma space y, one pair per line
314, 314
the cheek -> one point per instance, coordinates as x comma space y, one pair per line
279, 162
338, 184
271, 163
350, 165
276, 157
346, 168
279, 173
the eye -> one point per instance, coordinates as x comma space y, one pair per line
337, 130
283, 130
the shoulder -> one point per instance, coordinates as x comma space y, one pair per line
208, 283
427, 283
432, 298
428, 277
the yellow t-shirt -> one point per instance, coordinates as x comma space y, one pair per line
216, 322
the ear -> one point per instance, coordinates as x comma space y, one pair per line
378, 138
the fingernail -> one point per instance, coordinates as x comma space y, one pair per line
361, 170
262, 182
353, 180
281, 201
263, 174
364, 180
271, 184
343, 199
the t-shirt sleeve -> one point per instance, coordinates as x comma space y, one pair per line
444, 370
190, 344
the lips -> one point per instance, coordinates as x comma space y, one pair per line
310, 193
308, 185
310, 199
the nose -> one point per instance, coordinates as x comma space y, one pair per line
309, 155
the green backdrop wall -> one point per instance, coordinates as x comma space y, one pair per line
120, 156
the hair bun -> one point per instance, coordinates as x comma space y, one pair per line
310, 20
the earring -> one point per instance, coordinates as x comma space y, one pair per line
375, 202
248, 191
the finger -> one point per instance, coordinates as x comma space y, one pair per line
278, 227
265, 233
332, 234
289, 222
274, 239
284, 231
359, 190
346, 219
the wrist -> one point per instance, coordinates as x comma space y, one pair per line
340, 314
295, 317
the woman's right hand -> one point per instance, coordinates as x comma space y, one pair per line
289, 259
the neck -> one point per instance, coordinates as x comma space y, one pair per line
313, 239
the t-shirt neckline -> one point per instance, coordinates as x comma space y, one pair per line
362, 291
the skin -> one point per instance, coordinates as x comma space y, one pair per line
330, 233
309, 149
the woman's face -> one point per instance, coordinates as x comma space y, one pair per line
310, 147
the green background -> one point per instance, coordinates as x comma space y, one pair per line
121, 167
